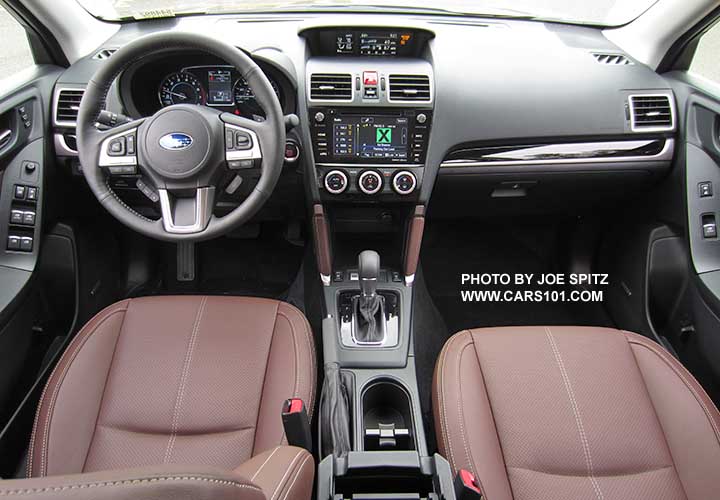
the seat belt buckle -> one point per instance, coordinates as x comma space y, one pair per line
467, 487
297, 424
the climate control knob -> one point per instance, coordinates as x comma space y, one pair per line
336, 182
404, 182
370, 182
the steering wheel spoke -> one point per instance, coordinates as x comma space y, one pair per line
186, 214
118, 149
242, 144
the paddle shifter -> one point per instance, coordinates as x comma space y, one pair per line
369, 317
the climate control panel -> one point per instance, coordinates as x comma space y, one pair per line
369, 183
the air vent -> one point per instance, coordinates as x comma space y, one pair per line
651, 113
331, 87
104, 54
612, 59
67, 105
409, 88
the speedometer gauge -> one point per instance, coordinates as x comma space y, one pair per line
245, 98
181, 88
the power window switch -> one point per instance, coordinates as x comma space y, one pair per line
20, 192
705, 189
32, 194
709, 226
16, 216
29, 218
26, 244
13, 242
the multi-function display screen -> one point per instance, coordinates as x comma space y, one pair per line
220, 85
370, 137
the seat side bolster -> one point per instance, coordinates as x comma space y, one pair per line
160, 483
290, 373
283, 472
80, 377
464, 422
688, 417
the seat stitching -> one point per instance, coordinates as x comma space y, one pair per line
265, 377
183, 380
441, 397
127, 482
576, 412
461, 413
624, 474
289, 469
264, 463
56, 390
297, 475
689, 386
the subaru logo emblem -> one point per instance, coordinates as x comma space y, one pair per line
176, 141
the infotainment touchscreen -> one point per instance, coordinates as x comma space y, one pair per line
370, 137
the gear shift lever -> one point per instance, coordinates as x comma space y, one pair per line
369, 311
368, 269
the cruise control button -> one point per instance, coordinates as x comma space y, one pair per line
130, 144
240, 164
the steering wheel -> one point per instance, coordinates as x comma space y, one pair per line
183, 151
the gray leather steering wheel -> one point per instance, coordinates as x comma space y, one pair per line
184, 150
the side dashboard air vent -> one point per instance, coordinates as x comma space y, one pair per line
104, 54
612, 59
331, 86
67, 105
409, 88
651, 113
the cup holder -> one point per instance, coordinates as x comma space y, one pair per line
387, 417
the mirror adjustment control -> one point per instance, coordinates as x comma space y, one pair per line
370, 182
336, 182
404, 182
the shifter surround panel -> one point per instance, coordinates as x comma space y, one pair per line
348, 322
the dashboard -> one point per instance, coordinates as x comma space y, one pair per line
153, 84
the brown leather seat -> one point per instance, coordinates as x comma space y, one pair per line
574, 413
195, 381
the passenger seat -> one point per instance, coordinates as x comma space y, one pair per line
574, 413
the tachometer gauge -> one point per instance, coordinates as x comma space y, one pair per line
245, 98
181, 88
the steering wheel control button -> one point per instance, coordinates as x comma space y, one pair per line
370, 182
336, 182
240, 164
117, 147
404, 182
149, 192
243, 141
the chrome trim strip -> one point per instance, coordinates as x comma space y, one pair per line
635, 128
56, 98
61, 146
326, 282
666, 154
203, 208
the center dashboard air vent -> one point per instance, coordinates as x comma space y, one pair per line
409, 88
651, 113
331, 86
67, 105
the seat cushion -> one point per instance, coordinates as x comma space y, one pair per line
574, 413
174, 380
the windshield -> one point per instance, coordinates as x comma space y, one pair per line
596, 12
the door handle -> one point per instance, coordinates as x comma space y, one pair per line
5, 136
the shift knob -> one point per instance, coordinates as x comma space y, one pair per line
368, 269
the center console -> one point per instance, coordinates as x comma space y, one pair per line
369, 103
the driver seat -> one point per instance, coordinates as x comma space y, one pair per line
182, 381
